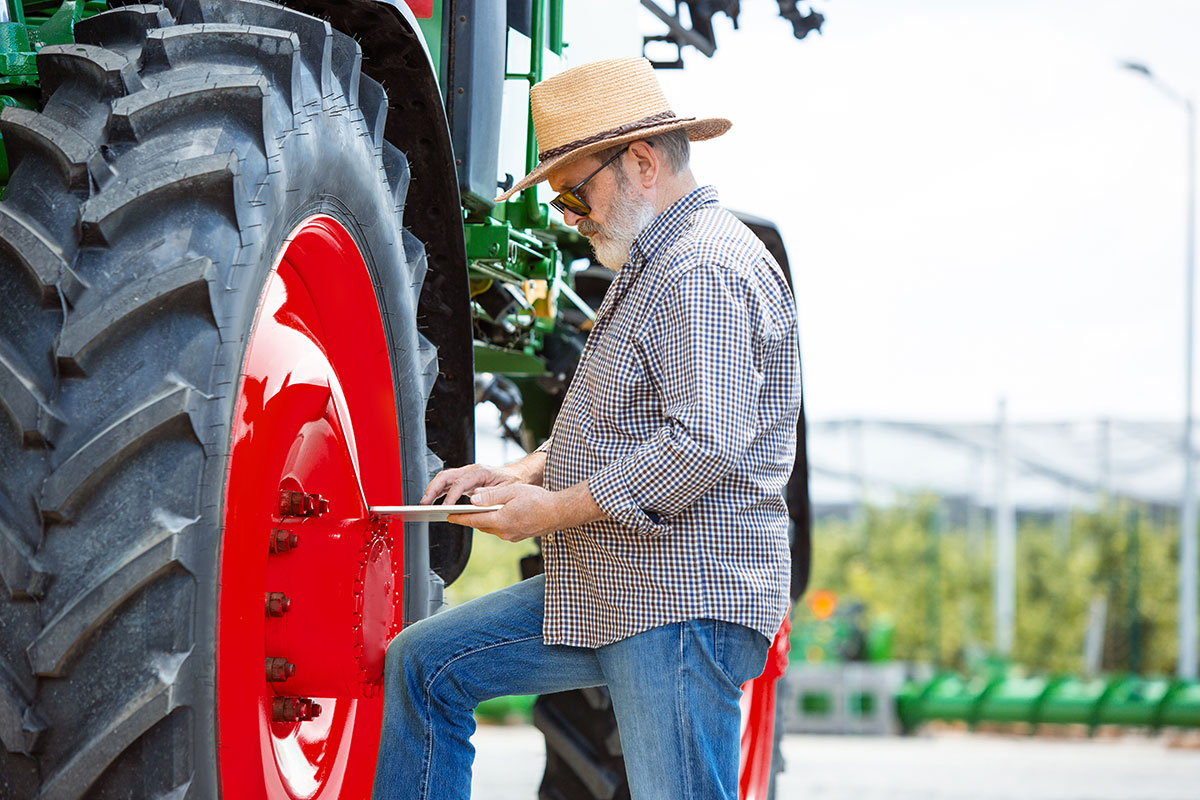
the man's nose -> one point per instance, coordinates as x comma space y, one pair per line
571, 218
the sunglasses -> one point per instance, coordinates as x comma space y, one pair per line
570, 199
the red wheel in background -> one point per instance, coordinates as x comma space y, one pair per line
760, 736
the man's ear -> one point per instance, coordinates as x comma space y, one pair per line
646, 163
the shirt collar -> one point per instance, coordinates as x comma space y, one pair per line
667, 226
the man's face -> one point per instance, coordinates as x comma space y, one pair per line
619, 213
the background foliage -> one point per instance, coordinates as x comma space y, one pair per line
494, 564
933, 582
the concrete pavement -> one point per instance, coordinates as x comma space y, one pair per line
945, 766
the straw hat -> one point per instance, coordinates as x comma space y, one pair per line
595, 106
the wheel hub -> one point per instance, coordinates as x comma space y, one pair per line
339, 579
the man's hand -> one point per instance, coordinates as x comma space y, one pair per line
530, 510
456, 482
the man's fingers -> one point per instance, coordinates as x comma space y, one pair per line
494, 495
439, 483
476, 521
462, 486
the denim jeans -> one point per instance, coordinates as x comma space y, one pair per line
675, 691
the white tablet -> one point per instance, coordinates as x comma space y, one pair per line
428, 513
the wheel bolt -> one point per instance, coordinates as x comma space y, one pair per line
283, 540
299, 504
315, 504
294, 709
278, 604
279, 669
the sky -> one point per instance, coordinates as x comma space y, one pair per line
978, 202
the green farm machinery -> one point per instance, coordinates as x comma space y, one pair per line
253, 283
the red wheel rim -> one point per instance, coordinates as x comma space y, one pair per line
308, 578
759, 697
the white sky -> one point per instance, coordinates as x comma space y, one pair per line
977, 201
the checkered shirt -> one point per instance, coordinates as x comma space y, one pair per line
682, 419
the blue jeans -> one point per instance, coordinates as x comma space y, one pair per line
675, 692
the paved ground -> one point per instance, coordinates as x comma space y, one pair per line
948, 766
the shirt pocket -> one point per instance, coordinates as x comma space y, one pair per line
622, 401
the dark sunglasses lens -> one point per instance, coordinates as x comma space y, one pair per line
571, 201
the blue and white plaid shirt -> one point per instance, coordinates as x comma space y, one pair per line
682, 418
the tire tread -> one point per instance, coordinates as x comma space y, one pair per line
563, 741
114, 443
109, 73
63, 147
150, 706
181, 46
20, 724
28, 407
86, 330
102, 217
63, 635
20, 569
136, 118
42, 259
125, 25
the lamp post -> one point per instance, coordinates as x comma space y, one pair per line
1188, 544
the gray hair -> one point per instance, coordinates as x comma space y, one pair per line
674, 147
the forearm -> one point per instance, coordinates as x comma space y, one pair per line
531, 468
575, 506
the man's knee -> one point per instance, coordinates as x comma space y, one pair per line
409, 655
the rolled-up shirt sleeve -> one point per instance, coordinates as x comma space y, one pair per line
698, 350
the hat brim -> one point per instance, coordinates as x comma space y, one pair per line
697, 129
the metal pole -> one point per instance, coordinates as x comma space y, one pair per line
1133, 555
1187, 531
1188, 544
936, 518
1005, 580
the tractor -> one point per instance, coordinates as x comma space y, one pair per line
253, 284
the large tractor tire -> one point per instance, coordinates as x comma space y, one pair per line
209, 367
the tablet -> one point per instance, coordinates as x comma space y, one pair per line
428, 513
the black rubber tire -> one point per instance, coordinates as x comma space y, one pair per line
176, 148
584, 759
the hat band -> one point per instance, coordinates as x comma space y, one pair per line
644, 122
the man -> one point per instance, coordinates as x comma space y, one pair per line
659, 495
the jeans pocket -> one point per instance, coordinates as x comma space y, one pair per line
741, 652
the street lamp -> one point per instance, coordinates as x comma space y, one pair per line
1188, 544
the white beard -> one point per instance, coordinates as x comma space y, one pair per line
628, 217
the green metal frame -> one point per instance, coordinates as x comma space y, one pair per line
30, 26
1004, 697
516, 242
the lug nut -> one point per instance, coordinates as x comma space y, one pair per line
278, 604
279, 669
315, 504
290, 504
299, 504
294, 709
283, 540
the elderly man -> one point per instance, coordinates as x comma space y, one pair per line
658, 497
